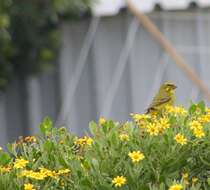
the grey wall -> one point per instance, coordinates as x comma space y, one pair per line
118, 72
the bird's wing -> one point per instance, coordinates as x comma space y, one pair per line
159, 101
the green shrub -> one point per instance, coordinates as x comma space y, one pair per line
168, 151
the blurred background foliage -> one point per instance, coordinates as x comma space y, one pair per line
30, 36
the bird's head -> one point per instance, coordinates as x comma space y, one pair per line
169, 87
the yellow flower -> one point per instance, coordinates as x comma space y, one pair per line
1, 148
79, 141
207, 110
28, 186
136, 156
119, 181
63, 171
186, 182
199, 133
61, 142
204, 119
140, 119
185, 175
78, 157
125, 125
5, 169
152, 129
20, 163
33, 175
176, 110
30, 139
124, 137
176, 187
89, 141
195, 125
62, 183
180, 139
164, 123
102, 121
84, 141
180, 110
142, 124
47, 173
169, 109
197, 129
42, 174
160, 129
194, 179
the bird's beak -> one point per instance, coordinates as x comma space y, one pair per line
174, 86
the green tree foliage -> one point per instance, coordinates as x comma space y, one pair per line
29, 33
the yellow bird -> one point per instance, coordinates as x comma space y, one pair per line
165, 96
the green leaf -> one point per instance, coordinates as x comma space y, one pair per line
48, 146
104, 187
192, 109
93, 128
205, 162
108, 126
46, 125
202, 106
86, 182
42, 128
105, 127
47, 122
162, 186
95, 164
79, 173
4, 158
113, 139
11, 149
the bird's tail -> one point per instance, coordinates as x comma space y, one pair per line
150, 110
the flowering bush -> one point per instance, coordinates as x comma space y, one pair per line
168, 151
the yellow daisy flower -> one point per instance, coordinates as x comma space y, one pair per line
195, 125
194, 179
28, 186
199, 133
176, 187
119, 181
180, 139
124, 137
152, 129
20, 163
102, 121
136, 156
